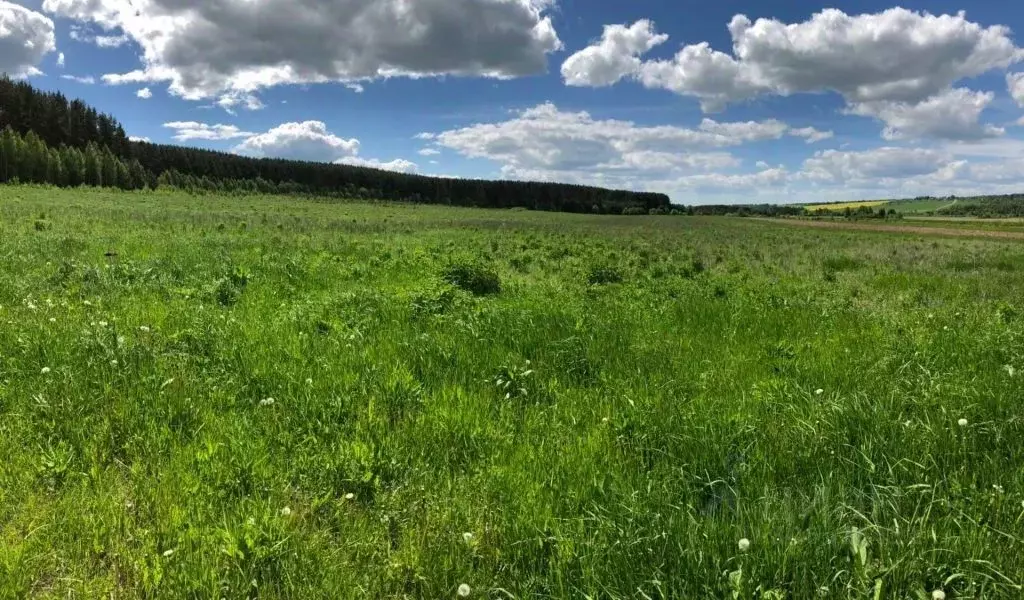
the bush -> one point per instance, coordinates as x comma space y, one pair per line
634, 211
604, 275
475, 278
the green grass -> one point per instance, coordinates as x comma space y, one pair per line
634, 397
911, 207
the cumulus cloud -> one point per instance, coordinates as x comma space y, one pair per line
897, 55
429, 152
137, 138
952, 115
398, 165
83, 79
308, 140
144, 93
191, 130
811, 135
230, 100
862, 167
60, 60
207, 49
615, 56
1015, 83
897, 65
25, 38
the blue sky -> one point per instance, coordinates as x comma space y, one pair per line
799, 101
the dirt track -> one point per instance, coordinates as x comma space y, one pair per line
918, 229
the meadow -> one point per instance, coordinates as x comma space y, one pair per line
256, 397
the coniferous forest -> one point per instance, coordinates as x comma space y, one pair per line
46, 138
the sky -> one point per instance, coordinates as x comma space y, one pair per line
733, 101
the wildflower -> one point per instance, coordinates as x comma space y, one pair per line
938, 595
286, 512
962, 422
350, 496
819, 392
267, 402
168, 553
53, 319
31, 306
309, 382
744, 545
464, 591
604, 420
144, 329
45, 371
467, 537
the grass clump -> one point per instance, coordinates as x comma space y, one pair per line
474, 277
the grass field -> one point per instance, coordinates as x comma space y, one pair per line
262, 397
841, 206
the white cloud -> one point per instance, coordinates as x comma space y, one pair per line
897, 55
230, 100
742, 132
615, 56
952, 115
864, 167
429, 152
81, 34
811, 135
135, 138
1015, 83
191, 130
309, 140
144, 93
206, 49
83, 79
398, 165
25, 38
60, 60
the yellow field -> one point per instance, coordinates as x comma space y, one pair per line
845, 205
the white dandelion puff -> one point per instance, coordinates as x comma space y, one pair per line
464, 591
744, 545
45, 371
267, 402
938, 595
286, 512
309, 381
144, 329
467, 537
113, 363
53, 319
962, 422
350, 496
168, 553
87, 303
819, 392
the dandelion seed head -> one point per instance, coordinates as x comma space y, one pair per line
45, 371
350, 496
309, 381
938, 595
53, 319
962, 422
467, 537
464, 590
102, 323
267, 402
168, 553
113, 363
286, 512
744, 545
819, 392
144, 328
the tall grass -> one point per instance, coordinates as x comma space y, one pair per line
270, 398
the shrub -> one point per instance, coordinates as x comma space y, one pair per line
634, 211
604, 275
474, 277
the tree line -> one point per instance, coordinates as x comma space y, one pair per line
48, 139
